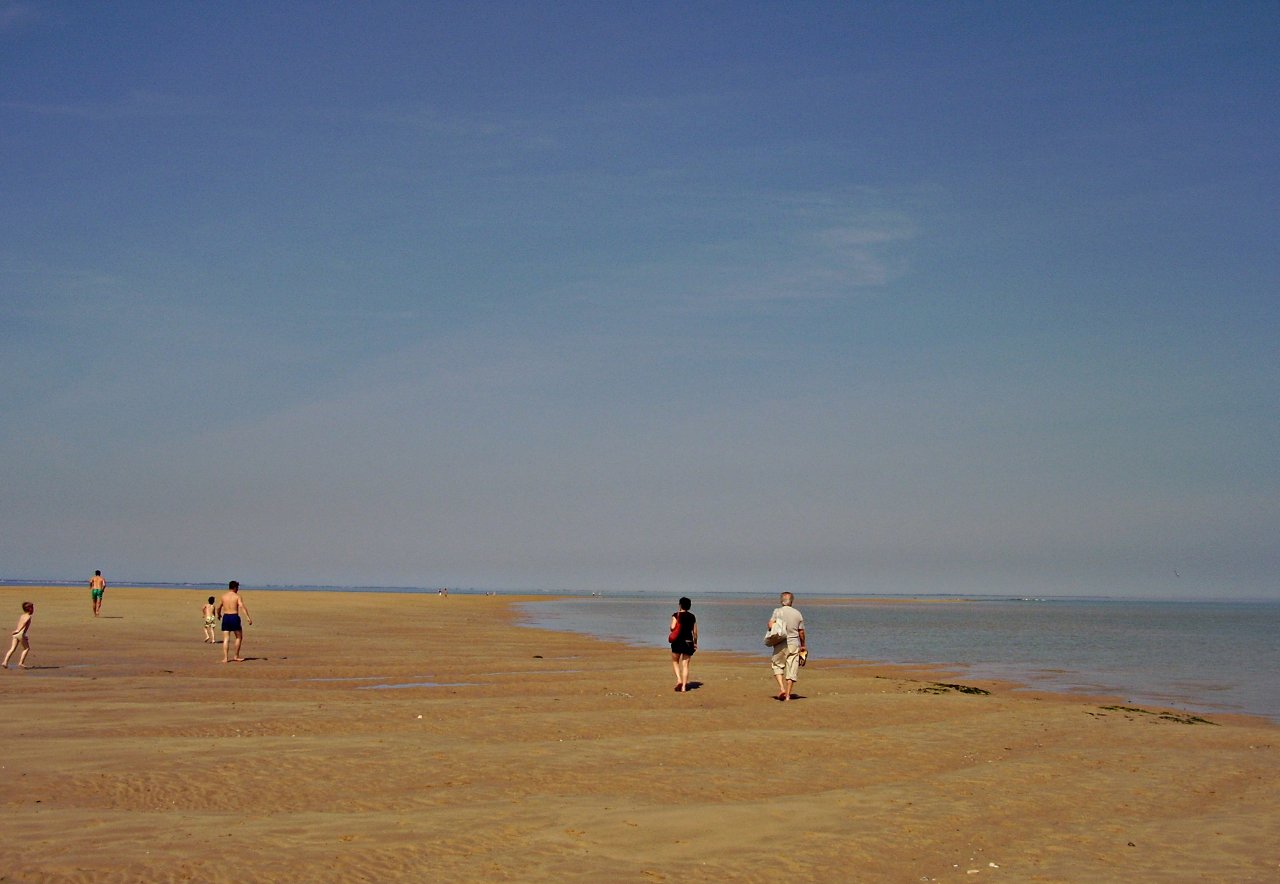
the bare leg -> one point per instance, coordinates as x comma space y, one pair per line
675, 667
226, 647
790, 684
237, 658
684, 672
22, 658
12, 647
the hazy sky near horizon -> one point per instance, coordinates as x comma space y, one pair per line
837, 297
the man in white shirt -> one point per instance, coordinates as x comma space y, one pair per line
786, 655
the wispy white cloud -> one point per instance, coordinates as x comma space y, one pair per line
138, 103
860, 256
815, 259
863, 236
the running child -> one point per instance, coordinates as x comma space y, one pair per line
20, 637
210, 622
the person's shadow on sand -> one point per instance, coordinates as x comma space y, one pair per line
794, 697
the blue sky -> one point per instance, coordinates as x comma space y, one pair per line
836, 297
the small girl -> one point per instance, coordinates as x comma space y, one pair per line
20, 637
210, 622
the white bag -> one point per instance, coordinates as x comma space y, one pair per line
777, 633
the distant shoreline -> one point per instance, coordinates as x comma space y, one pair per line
810, 597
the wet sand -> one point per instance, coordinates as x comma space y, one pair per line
376, 737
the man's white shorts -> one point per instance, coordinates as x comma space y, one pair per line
786, 661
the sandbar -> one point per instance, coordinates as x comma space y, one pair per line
386, 736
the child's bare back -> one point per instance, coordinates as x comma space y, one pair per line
209, 617
20, 637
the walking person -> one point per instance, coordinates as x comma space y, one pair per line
97, 589
230, 607
20, 637
788, 656
684, 626
210, 621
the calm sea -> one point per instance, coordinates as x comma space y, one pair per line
1196, 656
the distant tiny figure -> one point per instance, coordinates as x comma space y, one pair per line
230, 607
20, 637
207, 611
788, 656
97, 589
685, 626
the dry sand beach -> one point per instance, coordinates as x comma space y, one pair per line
376, 737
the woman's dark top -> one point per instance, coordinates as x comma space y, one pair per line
684, 638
